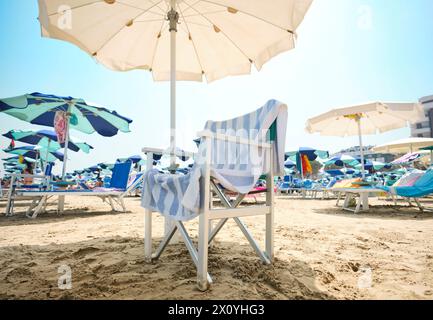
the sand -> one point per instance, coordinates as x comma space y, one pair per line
321, 253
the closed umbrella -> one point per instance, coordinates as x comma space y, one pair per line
370, 118
178, 39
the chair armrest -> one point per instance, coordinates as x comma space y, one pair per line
235, 139
157, 151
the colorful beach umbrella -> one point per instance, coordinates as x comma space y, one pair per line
407, 158
177, 39
46, 139
35, 153
341, 161
370, 118
373, 165
311, 153
51, 110
289, 164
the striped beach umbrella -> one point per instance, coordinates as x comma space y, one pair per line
46, 139
341, 161
35, 153
42, 109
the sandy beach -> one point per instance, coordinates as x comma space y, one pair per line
321, 253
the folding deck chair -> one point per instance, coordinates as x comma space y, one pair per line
210, 173
114, 194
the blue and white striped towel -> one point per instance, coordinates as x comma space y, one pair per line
237, 167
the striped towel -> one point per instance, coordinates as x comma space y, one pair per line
237, 167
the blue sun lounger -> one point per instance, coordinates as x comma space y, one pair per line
422, 187
118, 189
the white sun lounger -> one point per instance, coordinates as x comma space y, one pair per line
360, 194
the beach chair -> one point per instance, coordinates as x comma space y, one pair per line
413, 186
355, 190
116, 192
231, 159
40, 182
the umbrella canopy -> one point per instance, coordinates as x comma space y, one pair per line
43, 109
178, 39
215, 38
311, 153
34, 153
407, 158
373, 165
404, 145
341, 161
289, 164
377, 117
16, 159
134, 159
46, 139
106, 166
38, 108
369, 118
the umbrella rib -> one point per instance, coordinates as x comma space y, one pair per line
192, 38
156, 45
251, 15
138, 8
77, 7
228, 38
121, 29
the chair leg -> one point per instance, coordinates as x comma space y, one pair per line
148, 236
203, 241
269, 242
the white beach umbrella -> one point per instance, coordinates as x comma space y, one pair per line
370, 118
404, 145
177, 39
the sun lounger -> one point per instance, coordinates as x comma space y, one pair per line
118, 189
184, 197
413, 186
40, 182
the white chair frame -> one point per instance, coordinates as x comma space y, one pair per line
208, 213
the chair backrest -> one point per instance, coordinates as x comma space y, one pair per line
49, 169
120, 176
426, 181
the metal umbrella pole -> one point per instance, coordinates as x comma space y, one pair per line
61, 205
173, 18
358, 120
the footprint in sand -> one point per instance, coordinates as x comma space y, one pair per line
84, 252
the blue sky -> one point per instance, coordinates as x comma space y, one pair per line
348, 52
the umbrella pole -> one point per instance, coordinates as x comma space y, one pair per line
46, 155
173, 17
61, 206
361, 147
